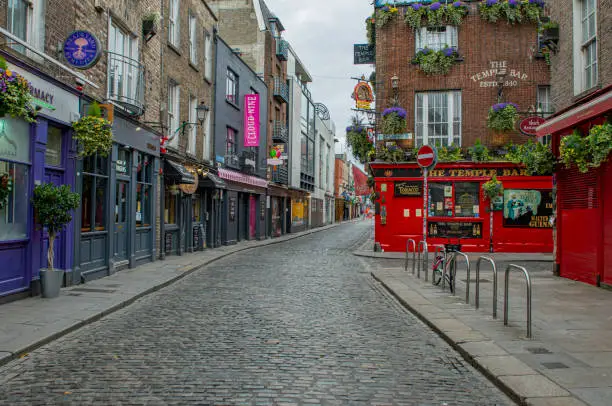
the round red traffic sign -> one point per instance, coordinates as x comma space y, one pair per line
529, 125
427, 156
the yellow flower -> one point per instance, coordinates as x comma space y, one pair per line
8, 73
393, 9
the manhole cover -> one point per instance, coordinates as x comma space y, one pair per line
93, 290
554, 365
538, 350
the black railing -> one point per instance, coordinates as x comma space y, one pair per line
126, 82
280, 132
282, 49
281, 90
280, 175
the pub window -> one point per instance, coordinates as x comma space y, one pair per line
440, 199
170, 206
467, 198
436, 38
143, 190
459, 199
93, 195
544, 108
438, 118
196, 209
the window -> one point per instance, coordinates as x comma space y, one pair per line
311, 157
173, 23
123, 67
589, 43
545, 108
193, 40
438, 118
206, 139
53, 152
304, 113
144, 186
193, 130
170, 207
304, 152
329, 168
230, 142
231, 91
18, 16
459, 199
208, 58
436, 38
173, 113
93, 195
321, 162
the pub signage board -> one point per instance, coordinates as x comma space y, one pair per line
364, 54
454, 229
408, 189
447, 172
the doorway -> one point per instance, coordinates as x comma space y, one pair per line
252, 217
121, 220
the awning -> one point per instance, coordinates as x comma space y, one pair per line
210, 179
178, 173
574, 116
242, 178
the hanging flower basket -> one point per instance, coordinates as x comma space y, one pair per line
371, 29
436, 14
513, 11
385, 15
492, 188
587, 152
6, 186
502, 117
436, 62
357, 139
15, 97
93, 133
394, 121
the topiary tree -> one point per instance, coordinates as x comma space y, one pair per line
52, 205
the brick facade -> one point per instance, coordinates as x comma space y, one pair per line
480, 44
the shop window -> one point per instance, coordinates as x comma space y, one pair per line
14, 182
467, 199
460, 199
436, 38
170, 207
196, 209
53, 153
144, 189
93, 195
122, 165
438, 118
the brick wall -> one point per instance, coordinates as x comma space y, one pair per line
480, 43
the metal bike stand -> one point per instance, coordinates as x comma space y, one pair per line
490, 260
467, 287
422, 248
506, 282
408, 245
438, 249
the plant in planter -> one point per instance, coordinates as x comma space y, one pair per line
392, 154
479, 152
549, 31
546, 54
93, 133
573, 149
394, 120
513, 11
150, 24
15, 97
451, 153
6, 187
357, 140
52, 206
502, 117
537, 157
436, 62
435, 14
490, 10
385, 15
454, 13
414, 15
492, 188
600, 144
532, 10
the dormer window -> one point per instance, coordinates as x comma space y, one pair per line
274, 29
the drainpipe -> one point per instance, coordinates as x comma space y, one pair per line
162, 158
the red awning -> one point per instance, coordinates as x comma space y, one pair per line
576, 115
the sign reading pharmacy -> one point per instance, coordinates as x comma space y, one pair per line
82, 49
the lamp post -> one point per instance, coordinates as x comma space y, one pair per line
395, 87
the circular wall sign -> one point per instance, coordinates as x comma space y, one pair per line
82, 49
427, 157
529, 125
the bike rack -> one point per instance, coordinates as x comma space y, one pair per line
439, 249
467, 287
410, 240
489, 260
422, 248
506, 282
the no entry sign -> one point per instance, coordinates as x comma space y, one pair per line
427, 157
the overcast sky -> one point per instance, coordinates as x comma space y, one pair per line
322, 32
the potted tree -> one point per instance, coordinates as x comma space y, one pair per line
52, 206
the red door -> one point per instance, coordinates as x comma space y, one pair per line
606, 185
252, 217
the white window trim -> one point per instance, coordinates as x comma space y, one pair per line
579, 52
193, 40
451, 34
174, 104
174, 32
193, 131
208, 56
35, 26
450, 122
206, 139
129, 70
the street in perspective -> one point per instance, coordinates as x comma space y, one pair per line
272, 202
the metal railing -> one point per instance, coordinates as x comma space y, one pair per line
281, 90
467, 285
126, 82
506, 283
232, 161
280, 175
408, 245
477, 298
422, 248
282, 49
280, 132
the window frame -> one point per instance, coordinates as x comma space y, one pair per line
145, 184
453, 103
451, 38
230, 142
454, 215
99, 173
588, 42
231, 83
193, 39
174, 32
208, 56
127, 86
193, 131
174, 105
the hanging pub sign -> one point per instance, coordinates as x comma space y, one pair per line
364, 54
190, 188
408, 189
525, 208
363, 95
251, 120
82, 49
529, 125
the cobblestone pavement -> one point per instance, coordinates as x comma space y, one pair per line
295, 323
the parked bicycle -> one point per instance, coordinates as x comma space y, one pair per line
445, 260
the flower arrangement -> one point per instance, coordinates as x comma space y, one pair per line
385, 15
394, 120
357, 140
452, 153
15, 95
6, 186
479, 152
93, 133
514, 11
537, 157
436, 62
492, 188
371, 29
502, 117
436, 14
392, 153
587, 152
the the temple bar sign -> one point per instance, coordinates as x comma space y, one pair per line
364, 54
497, 70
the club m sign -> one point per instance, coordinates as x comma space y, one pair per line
251, 120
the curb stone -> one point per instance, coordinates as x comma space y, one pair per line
6, 357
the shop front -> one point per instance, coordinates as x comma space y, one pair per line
584, 200
300, 212
32, 154
277, 210
457, 211
117, 217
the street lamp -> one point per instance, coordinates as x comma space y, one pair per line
395, 87
202, 112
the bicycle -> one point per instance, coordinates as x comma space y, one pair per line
442, 259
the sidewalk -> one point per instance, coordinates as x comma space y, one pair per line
568, 361
30, 323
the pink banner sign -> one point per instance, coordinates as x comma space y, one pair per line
251, 120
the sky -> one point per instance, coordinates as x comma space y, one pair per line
322, 33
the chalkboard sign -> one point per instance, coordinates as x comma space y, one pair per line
196, 237
262, 209
364, 54
232, 209
168, 243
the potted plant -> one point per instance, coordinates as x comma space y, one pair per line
52, 206
502, 117
93, 133
479, 152
357, 139
492, 188
436, 62
549, 31
150, 23
15, 97
385, 15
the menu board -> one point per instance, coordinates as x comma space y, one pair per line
232, 209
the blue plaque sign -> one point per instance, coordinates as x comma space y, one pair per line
82, 49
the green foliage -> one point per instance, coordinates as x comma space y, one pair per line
492, 188
15, 97
392, 154
154, 17
537, 157
490, 13
532, 12
502, 119
454, 15
451, 153
435, 62
357, 140
516, 13
479, 152
385, 16
52, 206
600, 144
94, 110
371, 29
444, 15
414, 18
93, 134
587, 152
393, 124
548, 25
435, 18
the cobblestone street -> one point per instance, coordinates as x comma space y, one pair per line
300, 322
